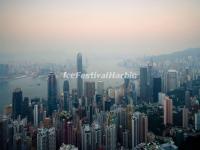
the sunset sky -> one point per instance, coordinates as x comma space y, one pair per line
128, 27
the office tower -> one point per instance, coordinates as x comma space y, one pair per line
139, 128
150, 81
197, 121
135, 131
79, 71
143, 128
42, 139
52, 139
52, 93
96, 136
46, 139
25, 109
66, 95
168, 111
100, 88
187, 99
172, 80
68, 132
35, 115
185, 113
89, 91
156, 88
143, 83
111, 137
161, 98
17, 103
86, 137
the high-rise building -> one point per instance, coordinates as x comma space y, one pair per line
42, 139
35, 115
111, 137
25, 109
17, 103
161, 98
139, 128
68, 132
172, 80
86, 137
197, 121
135, 131
52, 93
100, 88
185, 113
46, 139
96, 136
66, 95
156, 88
79, 71
168, 111
52, 139
187, 99
89, 87
150, 81
143, 83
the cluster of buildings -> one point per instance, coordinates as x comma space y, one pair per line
90, 117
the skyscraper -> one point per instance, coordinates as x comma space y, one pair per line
168, 111
187, 99
156, 88
172, 80
89, 93
143, 83
96, 136
79, 71
46, 139
86, 137
35, 117
111, 137
135, 131
66, 95
185, 113
17, 103
100, 88
52, 93
139, 128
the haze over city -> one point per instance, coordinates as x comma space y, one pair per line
100, 75
118, 28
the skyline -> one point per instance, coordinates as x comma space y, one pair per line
135, 28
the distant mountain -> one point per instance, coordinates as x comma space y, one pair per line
191, 52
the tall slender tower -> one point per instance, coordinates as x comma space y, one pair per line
66, 95
79, 71
185, 113
143, 83
168, 108
52, 93
17, 103
35, 112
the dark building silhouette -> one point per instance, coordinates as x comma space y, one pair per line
79, 71
143, 83
156, 88
89, 91
17, 103
52, 93
66, 95
25, 108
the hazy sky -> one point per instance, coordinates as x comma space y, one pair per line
121, 27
